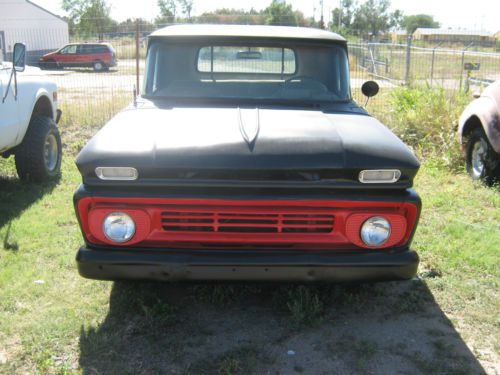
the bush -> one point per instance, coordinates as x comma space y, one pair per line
425, 118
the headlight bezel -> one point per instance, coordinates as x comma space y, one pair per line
130, 233
370, 221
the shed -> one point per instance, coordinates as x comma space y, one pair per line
454, 36
27, 22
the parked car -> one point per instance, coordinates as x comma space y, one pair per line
479, 134
100, 56
28, 121
253, 165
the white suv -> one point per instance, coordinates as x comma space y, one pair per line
29, 114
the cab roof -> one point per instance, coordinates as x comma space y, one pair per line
250, 31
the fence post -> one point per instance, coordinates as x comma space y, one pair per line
463, 62
137, 55
408, 60
432, 64
461, 69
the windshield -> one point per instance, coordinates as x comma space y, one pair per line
283, 72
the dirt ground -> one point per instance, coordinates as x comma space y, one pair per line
385, 328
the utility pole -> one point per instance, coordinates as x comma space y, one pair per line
321, 20
340, 14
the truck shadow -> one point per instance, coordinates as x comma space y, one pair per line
17, 196
384, 328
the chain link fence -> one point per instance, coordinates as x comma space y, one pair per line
391, 65
408, 65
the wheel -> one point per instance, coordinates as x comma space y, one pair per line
38, 157
99, 66
480, 157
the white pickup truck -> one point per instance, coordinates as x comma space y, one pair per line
28, 118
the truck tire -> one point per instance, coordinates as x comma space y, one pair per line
38, 157
480, 157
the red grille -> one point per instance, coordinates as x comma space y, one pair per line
257, 221
207, 223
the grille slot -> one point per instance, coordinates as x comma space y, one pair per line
259, 221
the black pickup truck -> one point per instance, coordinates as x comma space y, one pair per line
246, 158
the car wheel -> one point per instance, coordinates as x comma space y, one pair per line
99, 66
38, 157
480, 157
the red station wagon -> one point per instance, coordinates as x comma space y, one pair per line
99, 56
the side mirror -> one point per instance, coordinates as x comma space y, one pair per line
370, 88
476, 94
19, 57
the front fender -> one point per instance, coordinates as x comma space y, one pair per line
485, 109
27, 105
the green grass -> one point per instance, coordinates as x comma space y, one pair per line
54, 322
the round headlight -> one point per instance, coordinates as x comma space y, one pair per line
375, 231
118, 227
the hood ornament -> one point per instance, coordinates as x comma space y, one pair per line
249, 129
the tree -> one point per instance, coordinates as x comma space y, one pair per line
280, 13
89, 17
343, 17
232, 16
130, 24
372, 17
396, 19
411, 23
168, 11
186, 7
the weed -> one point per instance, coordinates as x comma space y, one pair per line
431, 273
216, 294
425, 118
229, 366
358, 352
410, 301
304, 305
238, 361
364, 351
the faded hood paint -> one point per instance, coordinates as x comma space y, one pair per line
155, 140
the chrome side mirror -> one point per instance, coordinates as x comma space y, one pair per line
19, 57
18, 65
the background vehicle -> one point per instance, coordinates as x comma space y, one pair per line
28, 119
479, 134
99, 56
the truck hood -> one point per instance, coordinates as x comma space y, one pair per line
187, 145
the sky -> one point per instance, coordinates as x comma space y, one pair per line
473, 15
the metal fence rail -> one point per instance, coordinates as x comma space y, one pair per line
392, 65
405, 64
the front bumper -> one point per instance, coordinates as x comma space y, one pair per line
262, 265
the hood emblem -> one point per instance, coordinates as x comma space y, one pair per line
249, 129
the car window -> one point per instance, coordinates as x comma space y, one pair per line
85, 49
227, 59
69, 49
100, 49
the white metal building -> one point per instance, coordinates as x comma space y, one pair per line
27, 22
